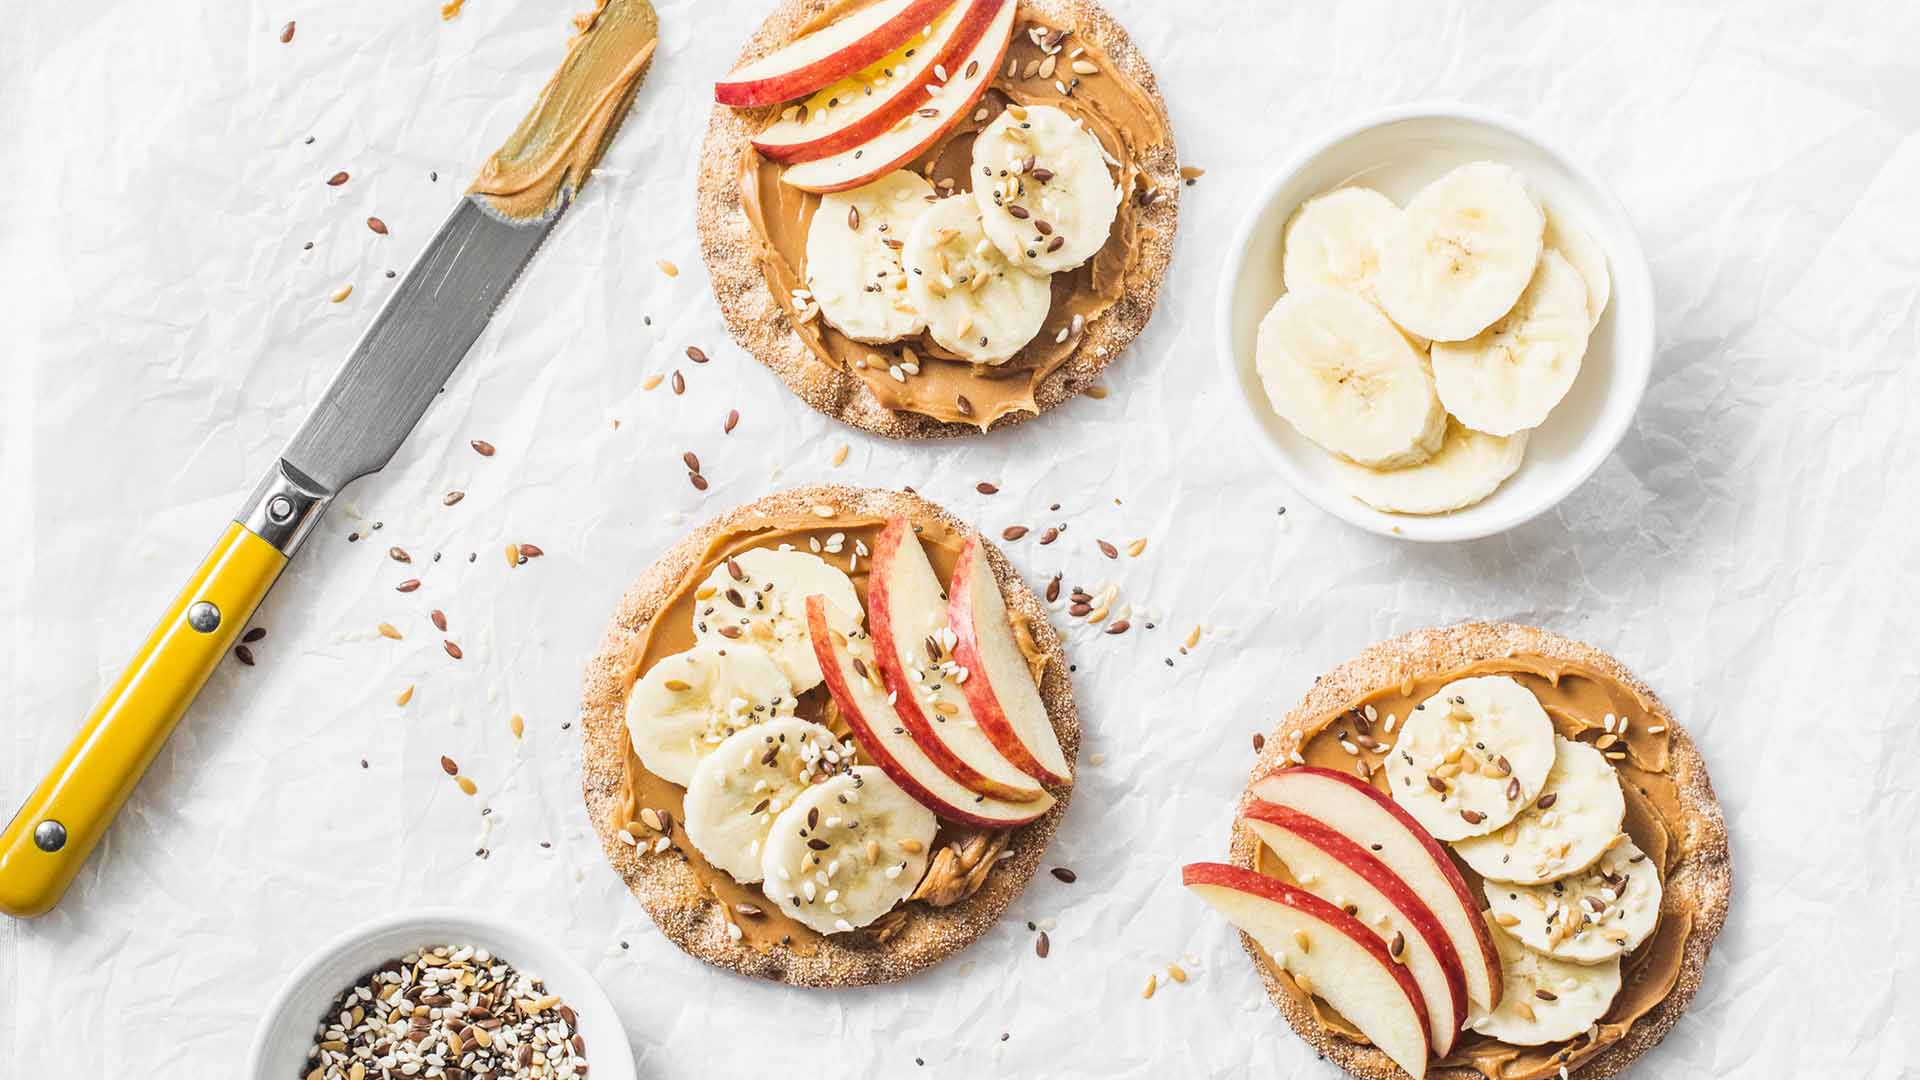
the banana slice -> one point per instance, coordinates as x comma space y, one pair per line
1574, 820
690, 702
1343, 376
853, 257
1604, 911
758, 599
976, 303
1047, 200
1336, 240
737, 791
1546, 1000
1472, 756
1510, 377
847, 851
1469, 466
1463, 253
1589, 258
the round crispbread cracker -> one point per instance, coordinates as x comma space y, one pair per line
1701, 883
761, 326
667, 887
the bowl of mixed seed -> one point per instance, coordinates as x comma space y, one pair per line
440, 993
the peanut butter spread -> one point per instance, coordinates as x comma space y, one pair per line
963, 857
547, 159
1576, 698
1113, 107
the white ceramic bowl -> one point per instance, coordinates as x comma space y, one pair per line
1399, 151
285, 1034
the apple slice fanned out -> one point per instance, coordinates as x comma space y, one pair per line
907, 610
946, 105
840, 48
999, 685
1358, 810
1328, 952
865, 104
854, 682
1330, 864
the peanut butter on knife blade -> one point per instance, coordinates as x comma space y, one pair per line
547, 159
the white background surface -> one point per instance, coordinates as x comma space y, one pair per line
1750, 549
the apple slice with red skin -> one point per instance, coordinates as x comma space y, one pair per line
1359, 810
884, 739
1000, 687
906, 609
1348, 964
855, 109
1328, 863
951, 103
840, 48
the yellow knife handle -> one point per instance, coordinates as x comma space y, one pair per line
47, 841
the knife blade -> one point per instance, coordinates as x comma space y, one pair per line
416, 340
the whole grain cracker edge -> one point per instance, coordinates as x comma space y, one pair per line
667, 888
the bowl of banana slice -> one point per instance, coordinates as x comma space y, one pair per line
1438, 324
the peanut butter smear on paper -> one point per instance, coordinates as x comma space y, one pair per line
547, 159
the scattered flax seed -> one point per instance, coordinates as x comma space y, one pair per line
1013, 532
986, 488
667, 267
1050, 535
1108, 550
1041, 946
966, 407
652, 381
286, 34
679, 383
243, 654
408, 585
1119, 626
1176, 973
733, 421
467, 785
341, 293
1137, 548
449, 766
518, 724
693, 462
439, 619
482, 447
1065, 875
698, 481
530, 551
388, 630
1053, 588
399, 555
1153, 983
453, 497
840, 456
337, 178
696, 354
1259, 742
253, 635
378, 226
452, 649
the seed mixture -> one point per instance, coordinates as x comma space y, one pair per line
445, 1011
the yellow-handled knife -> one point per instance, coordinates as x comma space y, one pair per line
397, 368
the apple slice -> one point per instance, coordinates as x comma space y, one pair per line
1327, 951
868, 102
811, 61
851, 678
1330, 864
1358, 810
999, 686
908, 612
945, 106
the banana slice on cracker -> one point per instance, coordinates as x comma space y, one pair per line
1607, 910
1472, 757
1573, 821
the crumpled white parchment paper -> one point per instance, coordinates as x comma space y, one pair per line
1750, 549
